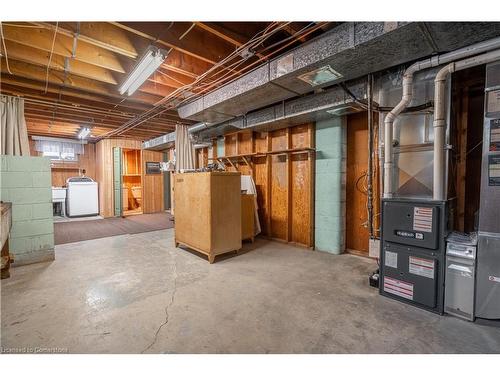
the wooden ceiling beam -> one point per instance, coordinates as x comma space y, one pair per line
41, 122
100, 34
38, 73
83, 118
185, 64
222, 33
60, 118
39, 57
42, 38
197, 44
34, 89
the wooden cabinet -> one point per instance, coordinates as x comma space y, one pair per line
247, 216
208, 212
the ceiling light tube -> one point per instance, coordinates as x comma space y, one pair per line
149, 62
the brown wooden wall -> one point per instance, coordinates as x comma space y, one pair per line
282, 165
61, 171
152, 193
152, 184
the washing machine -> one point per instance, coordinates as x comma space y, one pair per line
81, 197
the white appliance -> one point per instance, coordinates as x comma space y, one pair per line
82, 197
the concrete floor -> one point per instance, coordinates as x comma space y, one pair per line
137, 293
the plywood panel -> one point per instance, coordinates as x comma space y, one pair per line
357, 165
262, 185
279, 197
300, 201
245, 143
152, 184
261, 142
300, 136
230, 144
279, 140
284, 181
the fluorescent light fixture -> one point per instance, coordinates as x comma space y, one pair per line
83, 133
320, 76
149, 62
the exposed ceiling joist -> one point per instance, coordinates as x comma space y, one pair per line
193, 44
39, 73
39, 57
43, 38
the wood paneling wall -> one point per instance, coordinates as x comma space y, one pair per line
152, 184
282, 164
61, 171
104, 171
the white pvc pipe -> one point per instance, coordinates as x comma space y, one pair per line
408, 94
439, 172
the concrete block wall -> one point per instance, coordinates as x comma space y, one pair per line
330, 185
26, 182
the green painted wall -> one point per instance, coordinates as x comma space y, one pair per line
220, 147
329, 211
26, 182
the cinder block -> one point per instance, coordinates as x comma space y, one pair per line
42, 179
21, 212
19, 163
5, 194
16, 179
32, 228
40, 163
23, 245
30, 195
3, 163
42, 210
33, 257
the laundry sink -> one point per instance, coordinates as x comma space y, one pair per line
58, 194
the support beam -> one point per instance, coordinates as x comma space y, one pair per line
38, 73
228, 36
63, 46
39, 57
194, 44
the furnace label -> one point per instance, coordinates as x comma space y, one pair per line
398, 287
422, 219
494, 170
391, 259
421, 267
495, 135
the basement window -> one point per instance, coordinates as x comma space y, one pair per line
59, 150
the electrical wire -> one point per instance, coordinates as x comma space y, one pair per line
5, 49
50, 58
259, 37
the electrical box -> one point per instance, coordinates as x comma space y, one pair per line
412, 261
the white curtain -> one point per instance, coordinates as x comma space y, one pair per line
184, 149
13, 131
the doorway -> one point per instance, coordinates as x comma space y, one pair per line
131, 182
